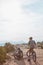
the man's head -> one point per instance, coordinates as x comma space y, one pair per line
30, 38
18, 48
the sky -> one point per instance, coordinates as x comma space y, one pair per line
21, 19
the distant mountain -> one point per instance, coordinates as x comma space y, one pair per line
17, 42
2, 43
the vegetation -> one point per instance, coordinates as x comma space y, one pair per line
40, 44
2, 55
9, 47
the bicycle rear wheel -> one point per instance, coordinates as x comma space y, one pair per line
34, 56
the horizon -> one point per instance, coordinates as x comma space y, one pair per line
2, 43
20, 20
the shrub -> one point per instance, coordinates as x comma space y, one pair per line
2, 55
41, 45
9, 47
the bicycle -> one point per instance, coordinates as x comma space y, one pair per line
32, 56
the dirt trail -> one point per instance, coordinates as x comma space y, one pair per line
12, 61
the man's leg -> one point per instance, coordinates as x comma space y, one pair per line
29, 60
29, 57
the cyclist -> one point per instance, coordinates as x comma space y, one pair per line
18, 54
32, 45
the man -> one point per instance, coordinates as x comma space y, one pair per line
18, 54
32, 45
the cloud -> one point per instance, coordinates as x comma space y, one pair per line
17, 23
24, 2
36, 7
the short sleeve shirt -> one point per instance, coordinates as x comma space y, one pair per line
32, 44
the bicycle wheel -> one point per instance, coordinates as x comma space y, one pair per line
34, 56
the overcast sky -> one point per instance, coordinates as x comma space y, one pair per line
20, 19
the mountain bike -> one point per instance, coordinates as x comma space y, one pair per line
32, 56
